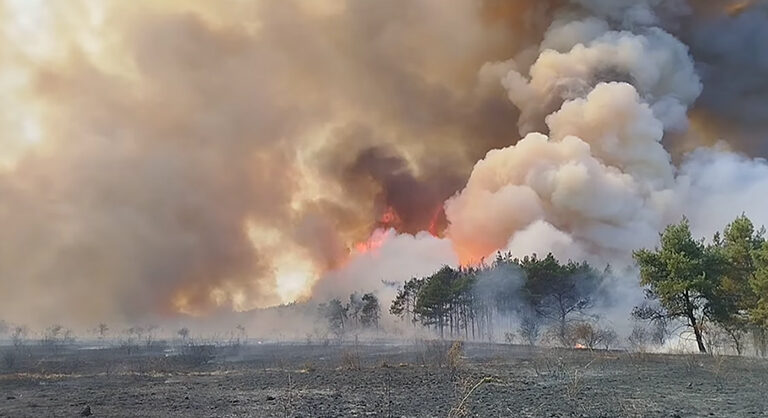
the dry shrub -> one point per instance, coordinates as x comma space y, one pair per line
434, 353
461, 408
197, 355
530, 329
550, 363
592, 336
720, 371
454, 357
693, 362
639, 339
575, 379
444, 354
308, 367
350, 360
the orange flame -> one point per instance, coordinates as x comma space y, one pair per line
390, 219
738, 7
376, 241
437, 223
580, 346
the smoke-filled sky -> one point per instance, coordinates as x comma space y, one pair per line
165, 157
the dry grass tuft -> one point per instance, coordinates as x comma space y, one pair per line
350, 360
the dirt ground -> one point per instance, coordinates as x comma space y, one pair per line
424, 379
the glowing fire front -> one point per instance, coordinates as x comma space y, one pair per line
376, 241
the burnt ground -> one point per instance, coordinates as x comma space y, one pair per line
415, 380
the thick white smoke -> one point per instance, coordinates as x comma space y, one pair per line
389, 257
597, 181
183, 156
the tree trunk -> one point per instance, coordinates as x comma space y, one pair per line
694, 324
697, 332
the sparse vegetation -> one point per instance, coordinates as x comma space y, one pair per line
102, 330
361, 313
456, 379
592, 336
183, 334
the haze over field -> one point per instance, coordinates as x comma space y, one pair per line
166, 158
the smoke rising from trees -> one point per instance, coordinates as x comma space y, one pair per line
194, 158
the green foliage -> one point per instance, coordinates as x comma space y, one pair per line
405, 302
735, 297
557, 291
683, 275
724, 284
465, 300
759, 285
721, 285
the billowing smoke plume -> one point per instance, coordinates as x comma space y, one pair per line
592, 178
191, 157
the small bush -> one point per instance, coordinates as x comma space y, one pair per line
550, 363
454, 357
592, 336
350, 360
434, 353
197, 355
638, 339
530, 328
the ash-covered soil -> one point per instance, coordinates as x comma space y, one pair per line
384, 380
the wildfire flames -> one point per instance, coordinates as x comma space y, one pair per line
376, 241
443, 133
738, 7
390, 220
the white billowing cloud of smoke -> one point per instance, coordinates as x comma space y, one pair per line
395, 258
597, 183
656, 63
541, 237
606, 201
719, 185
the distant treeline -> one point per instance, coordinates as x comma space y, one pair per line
718, 290
466, 301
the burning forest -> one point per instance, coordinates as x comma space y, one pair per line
187, 175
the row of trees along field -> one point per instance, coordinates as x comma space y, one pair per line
466, 301
715, 288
